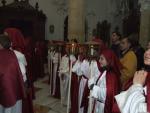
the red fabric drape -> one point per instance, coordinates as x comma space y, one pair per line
74, 93
11, 80
112, 78
16, 38
113, 63
29, 50
148, 96
112, 90
101, 43
57, 89
148, 92
85, 100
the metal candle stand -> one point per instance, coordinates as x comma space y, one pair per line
93, 54
73, 49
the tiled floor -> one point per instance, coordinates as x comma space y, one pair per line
45, 102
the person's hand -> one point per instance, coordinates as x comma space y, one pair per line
140, 77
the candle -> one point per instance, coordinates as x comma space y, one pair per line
73, 48
92, 50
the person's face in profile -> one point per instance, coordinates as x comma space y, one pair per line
103, 61
124, 45
147, 57
114, 37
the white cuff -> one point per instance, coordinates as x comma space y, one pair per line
95, 91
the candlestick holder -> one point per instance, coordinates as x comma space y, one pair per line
72, 48
93, 49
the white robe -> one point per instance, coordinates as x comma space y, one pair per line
17, 108
50, 58
64, 83
22, 63
99, 93
132, 100
77, 68
85, 70
55, 60
94, 74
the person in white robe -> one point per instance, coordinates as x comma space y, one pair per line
64, 76
55, 60
95, 72
136, 98
85, 67
50, 67
104, 83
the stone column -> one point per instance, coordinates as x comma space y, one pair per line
145, 22
76, 20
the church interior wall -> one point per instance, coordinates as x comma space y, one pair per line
95, 11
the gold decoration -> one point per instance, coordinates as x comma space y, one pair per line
93, 48
72, 48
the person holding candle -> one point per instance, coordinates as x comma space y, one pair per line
64, 69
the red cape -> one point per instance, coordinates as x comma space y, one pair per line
112, 85
11, 80
16, 38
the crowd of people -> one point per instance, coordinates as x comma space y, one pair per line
107, 80
19, 61
101, 84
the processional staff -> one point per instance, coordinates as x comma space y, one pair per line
73, 50
93, 54
51, 49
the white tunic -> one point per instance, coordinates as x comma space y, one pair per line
85, 70
99, 93
64, 73
77, 68
132, 100
22, 63
55, 60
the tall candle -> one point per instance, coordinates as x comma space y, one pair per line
92, 50
73, 48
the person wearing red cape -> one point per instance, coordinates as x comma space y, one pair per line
18, 46
83, 88
75, 79
55, 58
64, 69
105, 85
12, 90
136, 99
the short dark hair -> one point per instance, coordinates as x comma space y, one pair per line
128, 39
134, 39
5, 42
117, 33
